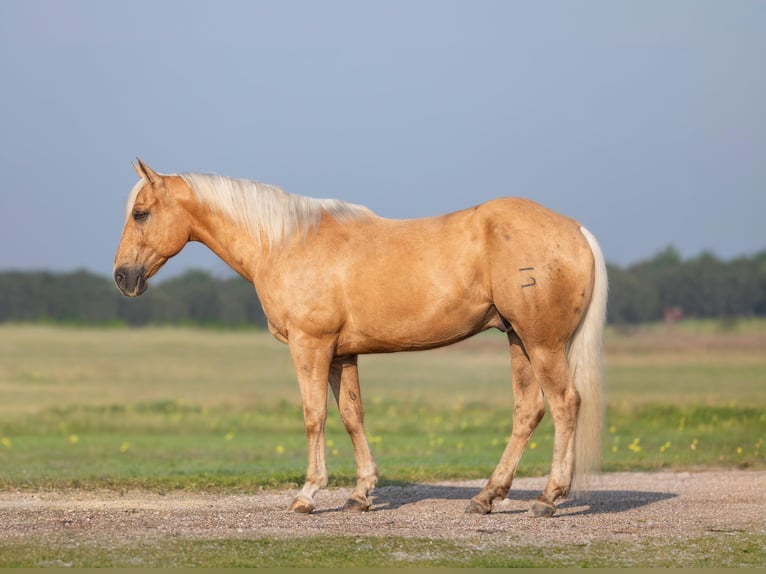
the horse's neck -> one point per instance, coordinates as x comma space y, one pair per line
230, 241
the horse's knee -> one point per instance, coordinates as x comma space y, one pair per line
314, 419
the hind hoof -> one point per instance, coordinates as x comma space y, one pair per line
541, 509
361, 504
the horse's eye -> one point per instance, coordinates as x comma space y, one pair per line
140, 215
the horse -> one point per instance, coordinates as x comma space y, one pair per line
336, 281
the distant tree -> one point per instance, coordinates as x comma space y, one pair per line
704, 286
239, 304
197, 292
759, 283
668, 258
662, 273
20, 296
631, 299
80, 297
196, 297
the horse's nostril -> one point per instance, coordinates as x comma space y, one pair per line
130, 280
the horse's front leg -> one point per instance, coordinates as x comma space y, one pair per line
344, 380
312, 365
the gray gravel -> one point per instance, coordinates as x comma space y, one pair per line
622, 506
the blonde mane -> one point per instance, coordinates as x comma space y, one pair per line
266, 211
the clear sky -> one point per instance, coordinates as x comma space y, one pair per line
645, 120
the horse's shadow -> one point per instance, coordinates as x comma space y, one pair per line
593, 502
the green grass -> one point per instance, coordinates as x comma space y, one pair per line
181, 409
736, 549
193, 409
170, 446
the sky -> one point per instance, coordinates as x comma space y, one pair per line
645, 120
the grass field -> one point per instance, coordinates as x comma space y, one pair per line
744, 550
174, 408
163, 408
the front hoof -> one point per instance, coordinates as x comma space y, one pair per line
302, 505
476, 507
358, 504
542, 509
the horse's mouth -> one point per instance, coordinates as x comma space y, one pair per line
131, 281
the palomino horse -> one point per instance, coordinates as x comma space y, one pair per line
336, 281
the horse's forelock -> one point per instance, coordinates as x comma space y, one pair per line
132, 197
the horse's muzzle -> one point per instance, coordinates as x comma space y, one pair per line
130, 280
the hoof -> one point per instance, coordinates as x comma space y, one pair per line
476, 507
302, 505
542, 509
361, 504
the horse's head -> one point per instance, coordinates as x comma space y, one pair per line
156, 228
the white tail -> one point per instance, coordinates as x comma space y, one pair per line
586, 367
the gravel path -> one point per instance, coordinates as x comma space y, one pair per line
624, 506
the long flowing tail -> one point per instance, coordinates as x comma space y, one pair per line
586, 366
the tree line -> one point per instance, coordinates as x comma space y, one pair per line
665, 286
704, 286
81, 297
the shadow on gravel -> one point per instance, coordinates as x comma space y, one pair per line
594, 502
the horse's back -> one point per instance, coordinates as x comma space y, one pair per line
436, 280
392, 285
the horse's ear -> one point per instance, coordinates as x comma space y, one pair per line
145, 172
138, 169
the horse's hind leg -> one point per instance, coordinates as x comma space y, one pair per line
344, 381
552, 371
528, 410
